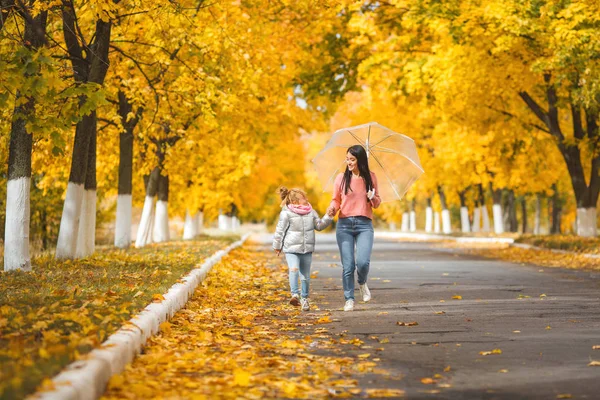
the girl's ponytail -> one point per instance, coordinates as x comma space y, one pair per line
283, 192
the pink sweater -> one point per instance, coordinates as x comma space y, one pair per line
355, 203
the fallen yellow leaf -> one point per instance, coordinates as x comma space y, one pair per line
457, 297
413, 323
594, 364
241, 377
487, 353
427, 381
384, 393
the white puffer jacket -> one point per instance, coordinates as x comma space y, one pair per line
295, 233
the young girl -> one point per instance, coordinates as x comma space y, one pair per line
295, 235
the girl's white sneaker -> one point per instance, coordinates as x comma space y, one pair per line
365, 292
294, 300
349, 306
305, 304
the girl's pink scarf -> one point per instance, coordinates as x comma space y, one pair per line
300, 210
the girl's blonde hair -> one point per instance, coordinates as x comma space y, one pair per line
290, 195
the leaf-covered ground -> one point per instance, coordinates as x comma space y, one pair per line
239, 338
563, 242
543, 258
61, 310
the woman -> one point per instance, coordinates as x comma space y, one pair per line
355, 195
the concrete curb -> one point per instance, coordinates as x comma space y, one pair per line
86, 379
532, 247
426, 236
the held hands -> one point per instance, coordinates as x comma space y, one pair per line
331, 212
371, 194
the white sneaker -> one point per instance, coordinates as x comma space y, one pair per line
349, 306
294, 300
365, 292
305, 304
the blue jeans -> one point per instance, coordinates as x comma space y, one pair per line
355, 239
299, 267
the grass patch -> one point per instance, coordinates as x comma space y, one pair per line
63, 309
573, 243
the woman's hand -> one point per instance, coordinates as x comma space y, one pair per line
331, 212
278, 252
371, 194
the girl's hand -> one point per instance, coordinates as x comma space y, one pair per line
278, 252
331, 212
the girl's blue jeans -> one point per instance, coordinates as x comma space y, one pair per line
355, 239
299, 267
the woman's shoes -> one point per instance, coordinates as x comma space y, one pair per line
305, 304
349, 306
295, 301
365, 292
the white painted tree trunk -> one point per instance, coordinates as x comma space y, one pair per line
189, 226
143, 236
16, 232
222, 222
486, 219
446, 225
428, 219
405, 222
199, 221
413, 221
69, 222
464, 220
498, 223
436, 222
586, 222
477, 219
86, 234
235, 224
161, 222
123, 221
392, 226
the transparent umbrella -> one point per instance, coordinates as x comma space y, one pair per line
392, 157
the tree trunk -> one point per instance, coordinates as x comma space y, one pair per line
189, 226
429, 217
86, 239
556, 211
510, 212
144, 236
485, 218
476, 226
161, 223
537, 223
18, 187
124, 199
497, 210
405, 224
586, 195
90, 64
413, 217
464, 213
524, 226
446, 226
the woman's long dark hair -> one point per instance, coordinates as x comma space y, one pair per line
363, 168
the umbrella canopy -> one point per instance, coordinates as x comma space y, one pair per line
392, 157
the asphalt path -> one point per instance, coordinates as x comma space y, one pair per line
545, 322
